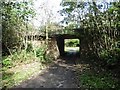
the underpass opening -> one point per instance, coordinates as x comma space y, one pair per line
72, 47
61, 43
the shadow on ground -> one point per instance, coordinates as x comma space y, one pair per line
72, 72
62, 74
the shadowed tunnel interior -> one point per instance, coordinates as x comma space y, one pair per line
71, 52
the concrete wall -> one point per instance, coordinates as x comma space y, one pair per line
53, 48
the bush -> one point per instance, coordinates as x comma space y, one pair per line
7, 62
40, 53
91, 80
111, 57
72, 43
29, 47
43, 55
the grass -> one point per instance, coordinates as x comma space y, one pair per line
89, 80
67, 49
18, 74
92, 75
20, 67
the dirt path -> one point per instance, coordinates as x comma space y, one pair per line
59, 75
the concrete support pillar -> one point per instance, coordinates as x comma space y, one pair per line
60, 43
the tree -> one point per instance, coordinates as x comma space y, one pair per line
15, 14
100, 30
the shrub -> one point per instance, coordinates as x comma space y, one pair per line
29, 47
43, 55
72, 43
7, 62
111, 57
90, 80
40, 53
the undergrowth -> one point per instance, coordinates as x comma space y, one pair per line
91, 80
95, 76
21, 65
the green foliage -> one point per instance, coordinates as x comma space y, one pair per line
111, 57
98, 30
14, 17
26, 57
72, 43
7, 62
29, 47
14, 76
19, 59
19, 62
97, 81
40, 53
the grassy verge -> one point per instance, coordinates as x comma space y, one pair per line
20, 67
94, 76
90, 80
18, 74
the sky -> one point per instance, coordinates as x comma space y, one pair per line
54, 6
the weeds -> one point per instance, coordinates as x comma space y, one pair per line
20, 66
89, 80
